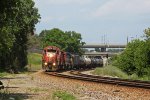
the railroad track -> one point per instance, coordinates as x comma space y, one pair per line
99, 79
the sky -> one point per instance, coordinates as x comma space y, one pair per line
98, 21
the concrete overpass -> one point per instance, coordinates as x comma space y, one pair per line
104, 54
103, 46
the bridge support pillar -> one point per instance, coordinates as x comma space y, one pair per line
103, 49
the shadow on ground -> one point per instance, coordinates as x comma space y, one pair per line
15, 96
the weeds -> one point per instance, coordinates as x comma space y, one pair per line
116, 72
60, 95
3, 74
32, 78
110, 71
36, 90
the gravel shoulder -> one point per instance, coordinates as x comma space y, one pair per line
39, 86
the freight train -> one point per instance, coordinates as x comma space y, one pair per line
54, 59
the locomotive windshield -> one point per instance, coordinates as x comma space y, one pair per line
50, 50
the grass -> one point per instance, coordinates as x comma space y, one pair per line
34, 58
60, 95
3, 74
34, 61
110, 71
116, 72
36, 90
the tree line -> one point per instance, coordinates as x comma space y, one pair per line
17, 22
69, 41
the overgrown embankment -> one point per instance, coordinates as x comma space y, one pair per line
34, 61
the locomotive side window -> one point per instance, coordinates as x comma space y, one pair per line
57, 52
44, 51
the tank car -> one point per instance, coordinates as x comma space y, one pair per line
68, 60
87, 61
99, 61
77, 62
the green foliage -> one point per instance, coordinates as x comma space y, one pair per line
142, 59
113, 60
126, 59
63, 95
135, 60
147, 33
17, 21
54, 37
68, 41
3, 74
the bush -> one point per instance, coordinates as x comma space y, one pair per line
135, 59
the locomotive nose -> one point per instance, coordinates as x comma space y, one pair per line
50, 55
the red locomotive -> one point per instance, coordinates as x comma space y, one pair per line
54, 59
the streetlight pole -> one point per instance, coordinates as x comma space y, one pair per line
127, 40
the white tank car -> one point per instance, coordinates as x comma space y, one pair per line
99, 61
87, 61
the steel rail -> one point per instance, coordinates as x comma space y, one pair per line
99, 79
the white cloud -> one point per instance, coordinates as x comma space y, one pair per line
123, 7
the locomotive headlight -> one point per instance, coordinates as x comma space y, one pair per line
45, 63
54, 64
50, 55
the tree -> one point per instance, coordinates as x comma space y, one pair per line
17, 21
54, 37
126, 59
136, 57
68, 41
74, 42
147, 33
142, 59
34, 42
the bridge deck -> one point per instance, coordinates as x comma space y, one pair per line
103, 46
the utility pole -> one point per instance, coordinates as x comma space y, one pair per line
127, 40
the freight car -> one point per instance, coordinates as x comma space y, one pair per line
54, 59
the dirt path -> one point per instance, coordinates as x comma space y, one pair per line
38, 86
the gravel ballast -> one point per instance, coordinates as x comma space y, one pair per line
40, 86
